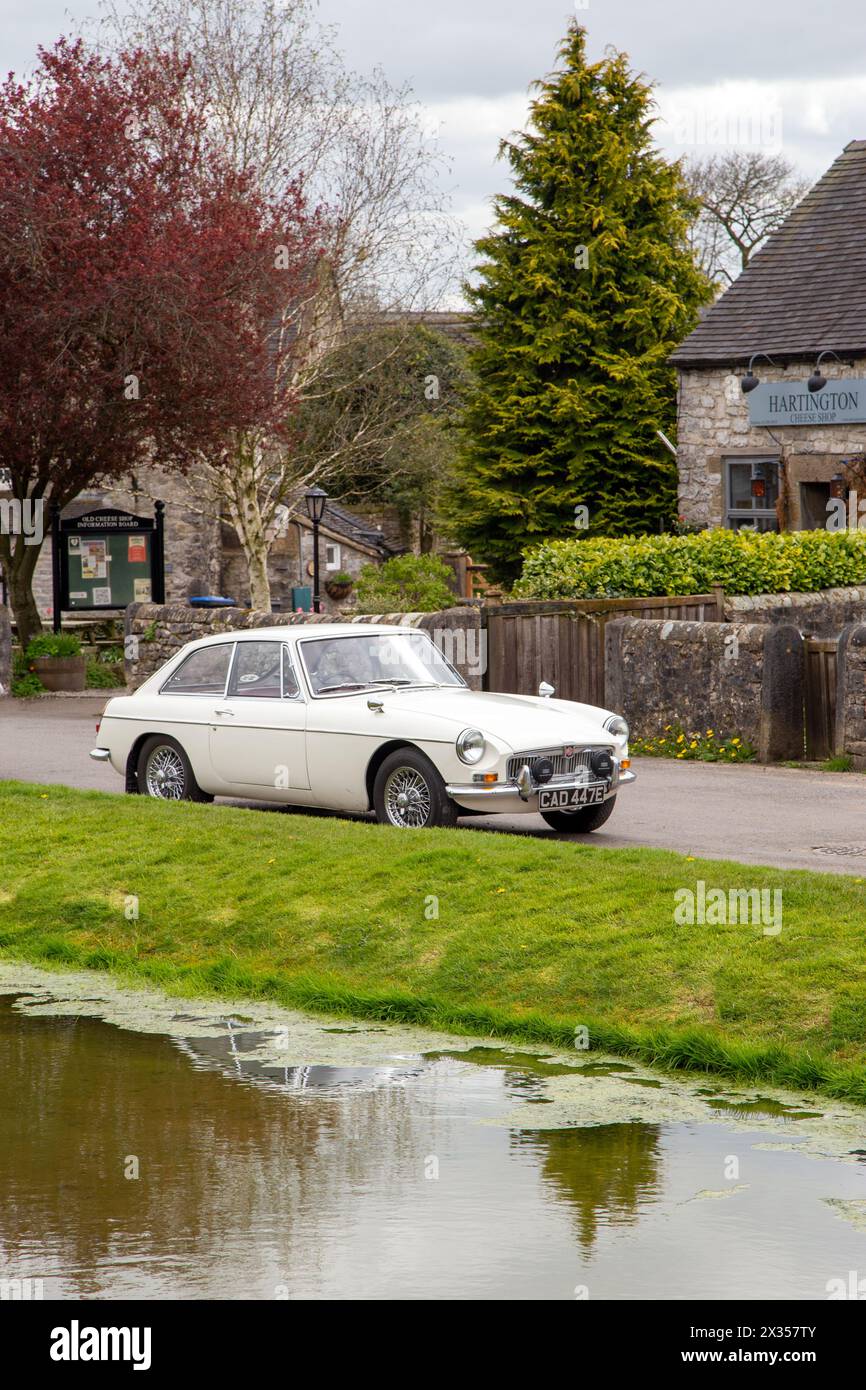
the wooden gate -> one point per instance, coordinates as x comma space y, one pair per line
563, 643
820, 655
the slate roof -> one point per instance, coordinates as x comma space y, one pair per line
805, 290
340, 521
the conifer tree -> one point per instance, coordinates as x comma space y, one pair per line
586, 284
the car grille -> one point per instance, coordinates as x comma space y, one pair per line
563, 767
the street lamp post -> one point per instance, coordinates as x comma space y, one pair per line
316, 499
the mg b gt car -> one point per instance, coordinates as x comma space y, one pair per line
358, 718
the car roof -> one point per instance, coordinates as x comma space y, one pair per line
294, 631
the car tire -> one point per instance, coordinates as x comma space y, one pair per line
580, 822
163, 763
409, 793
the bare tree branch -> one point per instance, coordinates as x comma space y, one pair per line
745, 196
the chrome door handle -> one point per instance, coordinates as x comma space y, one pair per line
225, 711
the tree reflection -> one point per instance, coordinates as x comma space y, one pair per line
606, 1173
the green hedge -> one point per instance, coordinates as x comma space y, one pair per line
743, 562
406, 584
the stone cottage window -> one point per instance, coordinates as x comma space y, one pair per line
332, 557
751, 493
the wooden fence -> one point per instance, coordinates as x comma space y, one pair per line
563, 642
820, 686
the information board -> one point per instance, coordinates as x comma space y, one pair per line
107, 559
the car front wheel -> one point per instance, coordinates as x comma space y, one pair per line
409, 793
580, 822
164, 771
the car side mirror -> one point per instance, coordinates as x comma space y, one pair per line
545, 690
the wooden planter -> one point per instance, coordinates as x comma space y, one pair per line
61, 672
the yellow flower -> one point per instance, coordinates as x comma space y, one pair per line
681, 755
667, 728
661, 741
690, 859
735, 742
681, 738
709, 733
734, 754
694, 743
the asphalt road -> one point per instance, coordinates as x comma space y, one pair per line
757, 815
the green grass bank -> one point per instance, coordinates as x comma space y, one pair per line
533, 939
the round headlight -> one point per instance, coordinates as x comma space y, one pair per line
470, 746
617, 726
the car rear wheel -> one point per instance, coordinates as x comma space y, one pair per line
164, 771
409, 793
580, 822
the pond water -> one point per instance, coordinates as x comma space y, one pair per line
154, 1147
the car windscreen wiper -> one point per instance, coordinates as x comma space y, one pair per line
346, 685
364, 685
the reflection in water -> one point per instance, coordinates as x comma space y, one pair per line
136, 1164
518, 1065
610, 1172
79, 1100
763, 1105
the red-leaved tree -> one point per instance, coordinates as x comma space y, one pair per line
144, 284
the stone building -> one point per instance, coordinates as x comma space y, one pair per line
773, 455
203, 555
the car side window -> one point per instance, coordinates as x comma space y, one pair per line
291, 689
256, 671
203, 673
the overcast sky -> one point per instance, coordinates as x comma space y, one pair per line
782, 74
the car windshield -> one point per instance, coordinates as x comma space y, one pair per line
343, 664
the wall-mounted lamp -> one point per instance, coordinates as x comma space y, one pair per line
817, 381
750, 381
837, 485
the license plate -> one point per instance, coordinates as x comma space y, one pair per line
569, 798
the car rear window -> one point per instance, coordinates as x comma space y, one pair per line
203, 673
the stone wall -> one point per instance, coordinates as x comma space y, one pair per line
5, 652
822, 614
740, 679
155, 633
713, 424
192, 546
851, 695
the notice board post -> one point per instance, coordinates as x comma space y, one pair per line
107, 559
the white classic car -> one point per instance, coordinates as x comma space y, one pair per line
356, 718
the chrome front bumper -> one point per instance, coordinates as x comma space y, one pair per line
517, 797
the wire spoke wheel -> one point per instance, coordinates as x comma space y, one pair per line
408, 801
165, 776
